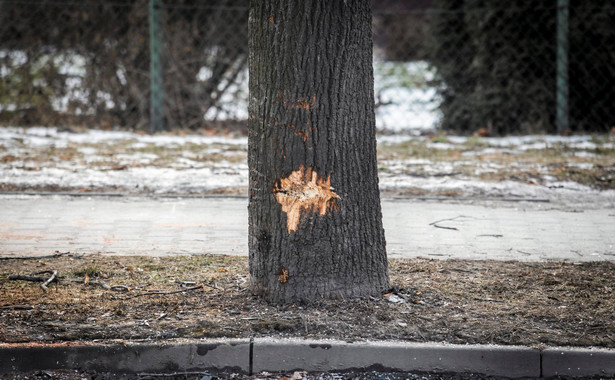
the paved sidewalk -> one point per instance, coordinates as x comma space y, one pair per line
43, 225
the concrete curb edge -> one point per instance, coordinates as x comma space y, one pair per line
284, 355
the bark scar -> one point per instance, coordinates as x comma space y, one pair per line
304, 191
304, 103
283, 275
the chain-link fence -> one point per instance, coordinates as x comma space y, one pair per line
92, 62
462, 65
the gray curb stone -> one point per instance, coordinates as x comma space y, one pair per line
265, 354
288, 355
227, 356
578, 362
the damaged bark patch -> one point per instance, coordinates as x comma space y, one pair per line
304, 191
303, 103
283, 275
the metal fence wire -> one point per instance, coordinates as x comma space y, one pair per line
461, 65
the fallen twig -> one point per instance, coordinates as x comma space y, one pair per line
54, 273
54, 278
444, 227
16, 307
164, 293
435, 224
52, 256
93, 283
29, 278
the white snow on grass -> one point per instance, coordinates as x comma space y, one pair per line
41, 136
521, 143
165, 163
116, 167
156, 180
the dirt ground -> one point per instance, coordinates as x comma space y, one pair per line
364, 375
153, 299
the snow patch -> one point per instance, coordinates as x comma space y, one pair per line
108, 159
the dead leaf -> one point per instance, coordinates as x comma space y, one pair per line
483, 132
8, 158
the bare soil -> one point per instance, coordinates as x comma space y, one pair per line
456, 301
363, 375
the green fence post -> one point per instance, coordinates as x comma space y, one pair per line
561, 111
155, 66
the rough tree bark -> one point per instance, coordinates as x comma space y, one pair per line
314, 211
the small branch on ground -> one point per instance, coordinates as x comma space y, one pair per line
16, 307
52, 256
444, 227
163, 293
15, 277
54, 278
93, 283
120, 288
435, 224
53, 273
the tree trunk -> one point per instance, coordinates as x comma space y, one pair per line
314, 213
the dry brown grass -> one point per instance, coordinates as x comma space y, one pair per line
452, 301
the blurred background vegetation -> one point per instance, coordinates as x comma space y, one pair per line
458, 65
